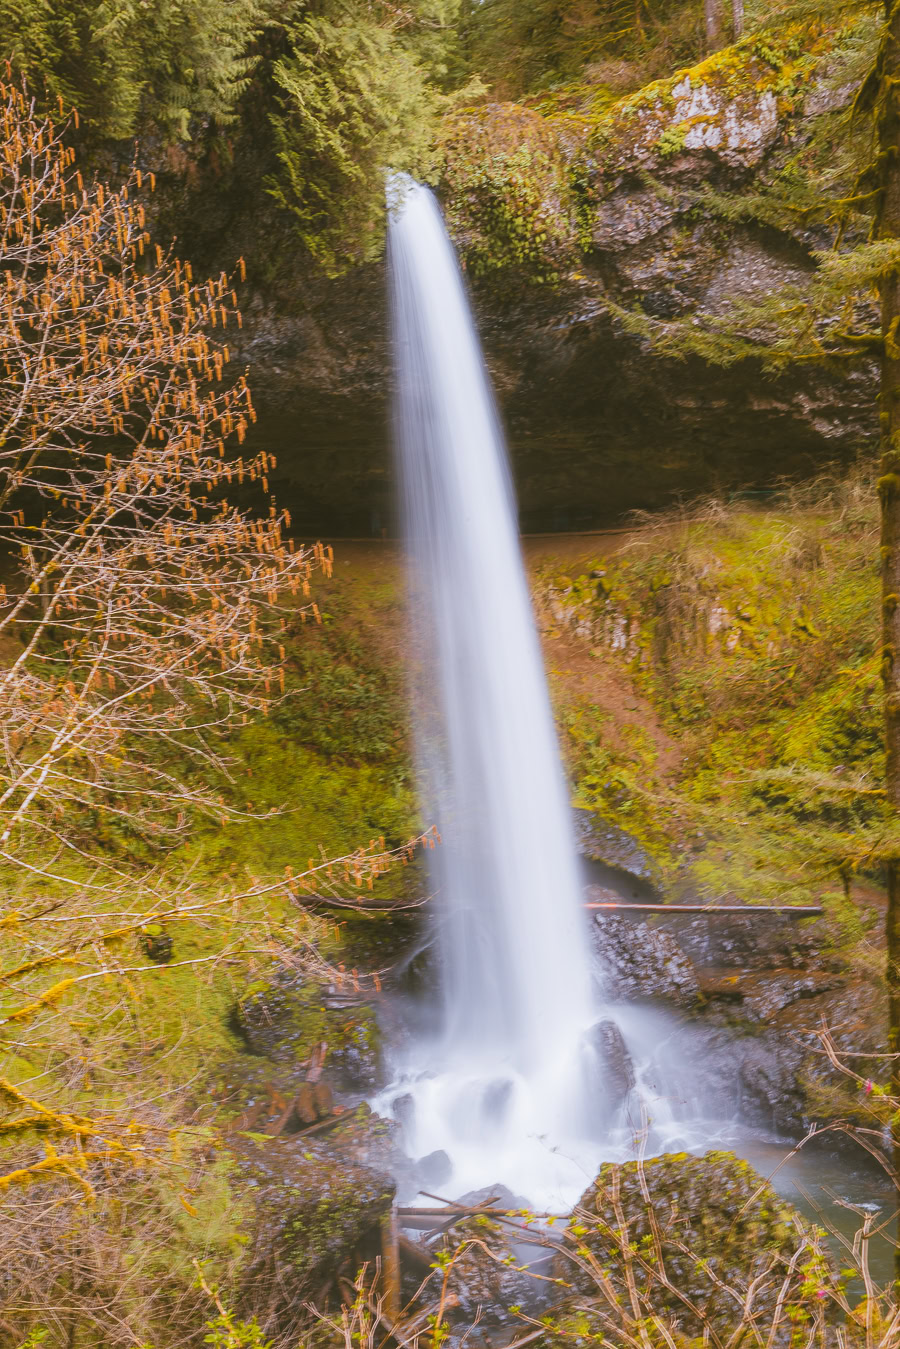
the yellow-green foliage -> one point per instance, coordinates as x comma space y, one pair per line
508, 198
775, 62
519, 181
753, 635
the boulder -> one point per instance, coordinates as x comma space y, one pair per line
609, 1071
282, 1018
489, 1272
355, 1052
314, 1213
364, 1137
288, 1018
717, 1222
434, 1169
601, 841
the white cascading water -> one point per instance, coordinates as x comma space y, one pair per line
501, 1087
514, 1087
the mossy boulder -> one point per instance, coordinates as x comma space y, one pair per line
316, 1212
487, 1273
288, 1018
283, 1018
719, 1225
355, 1053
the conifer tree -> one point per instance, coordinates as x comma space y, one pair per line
885, 83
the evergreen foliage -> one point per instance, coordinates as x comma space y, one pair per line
526, 48
345, 90
128, 66
353, 101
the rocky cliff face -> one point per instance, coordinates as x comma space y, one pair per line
566, 218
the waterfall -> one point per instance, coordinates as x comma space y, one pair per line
499, 1088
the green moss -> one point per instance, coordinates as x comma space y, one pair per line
753, 638
716, 1220
508, 195
672, 140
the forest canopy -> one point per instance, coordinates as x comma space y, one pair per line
320, 98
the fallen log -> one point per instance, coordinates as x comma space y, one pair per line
417, 1254
322, 1125
388, 905
794, 910
390, 1264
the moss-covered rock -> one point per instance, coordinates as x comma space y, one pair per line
673, 200
287, 1019
487, 1274
705, 1223
283, 1017
355, 1056
316, 1211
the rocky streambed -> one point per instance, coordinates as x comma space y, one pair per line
711, 1052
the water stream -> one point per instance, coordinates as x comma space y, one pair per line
527, 1077
500, 1088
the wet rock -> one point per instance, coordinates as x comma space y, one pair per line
604, 842
417, 972
718, 988
434, 1169
355, 1057
764, 941
856, 1014
498, 1196
364, 1137
403, 1109
642, 961
488, 1273
610, 1071
767, 994
770, 1084
496, 1100
718, 1222
312, 1212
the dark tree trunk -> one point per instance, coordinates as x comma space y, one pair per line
888, 227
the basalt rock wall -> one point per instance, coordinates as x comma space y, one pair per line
566, 220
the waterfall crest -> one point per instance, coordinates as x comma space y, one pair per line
498, 1089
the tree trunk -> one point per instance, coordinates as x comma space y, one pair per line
737, 19
888, 227
712, 13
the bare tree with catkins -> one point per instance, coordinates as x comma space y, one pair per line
142, 606
143, 613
